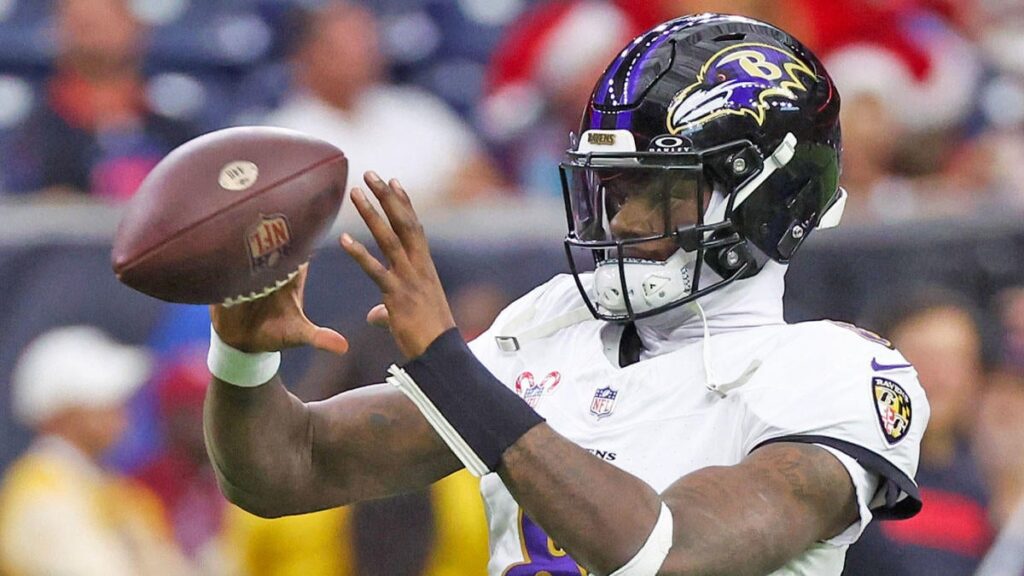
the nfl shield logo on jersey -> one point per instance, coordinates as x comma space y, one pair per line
603, 402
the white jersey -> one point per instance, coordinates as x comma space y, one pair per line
814, 382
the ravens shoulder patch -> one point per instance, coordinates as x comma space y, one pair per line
892, 403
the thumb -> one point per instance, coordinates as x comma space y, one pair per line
378, 316
327, 340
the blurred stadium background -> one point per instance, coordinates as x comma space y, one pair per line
469, 102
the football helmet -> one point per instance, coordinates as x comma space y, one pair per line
711, 142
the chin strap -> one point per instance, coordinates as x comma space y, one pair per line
710, 379
516, 331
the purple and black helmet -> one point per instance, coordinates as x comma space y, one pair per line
725, 103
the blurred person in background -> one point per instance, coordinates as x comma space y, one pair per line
61, 512
910, 82
342, 96
1000, 436
999, 441
995, 157
539, 80
437, 532
937, 332
94, 132
1011, 316
181, 475
869, 158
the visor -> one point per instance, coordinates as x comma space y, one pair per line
620, 199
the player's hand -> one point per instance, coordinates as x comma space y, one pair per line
274, 322
415, 307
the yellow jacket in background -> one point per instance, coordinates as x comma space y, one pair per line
320, 544
62, 514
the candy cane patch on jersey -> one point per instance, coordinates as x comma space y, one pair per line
893, 406
530, 389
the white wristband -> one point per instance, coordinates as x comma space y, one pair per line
240, 368
649, 559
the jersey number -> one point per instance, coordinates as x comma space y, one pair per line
543, 556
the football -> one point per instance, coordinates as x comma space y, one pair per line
229, 216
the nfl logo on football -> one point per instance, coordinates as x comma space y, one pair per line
268, 240
603, 402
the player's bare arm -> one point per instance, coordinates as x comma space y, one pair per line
275, 455
745, 519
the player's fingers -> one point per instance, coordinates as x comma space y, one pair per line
399, 190
327, 339
373, 268
381, 230
397, 208
411, 232
414, 237
378, 316
385, 195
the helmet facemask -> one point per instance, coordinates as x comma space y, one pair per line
641, 216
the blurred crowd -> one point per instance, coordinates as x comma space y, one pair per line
469, 101
81, 501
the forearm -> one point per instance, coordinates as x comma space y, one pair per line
275, 455
742, 520
259, 442
600, 514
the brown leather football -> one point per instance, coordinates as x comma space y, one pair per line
229, 216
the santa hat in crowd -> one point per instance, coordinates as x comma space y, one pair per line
544, 51
910, 58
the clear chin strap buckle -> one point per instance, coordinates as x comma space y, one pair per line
649, 284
